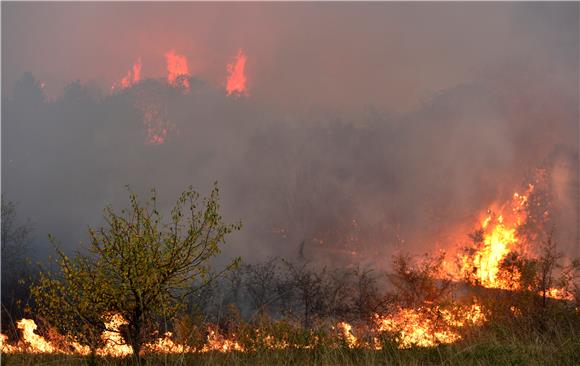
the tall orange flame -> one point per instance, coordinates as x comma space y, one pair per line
499, 239
35, 343
177, 69
236, 83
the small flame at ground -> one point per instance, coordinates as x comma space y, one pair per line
217, 342
428, 327
34, 342
559, 294
346, 332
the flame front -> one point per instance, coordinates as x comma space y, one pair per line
114, 344
428, 327
217, 342
34, 342
177, 70
236, 83
346, 333
499, 239
424, 326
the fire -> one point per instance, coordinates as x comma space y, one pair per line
35, 343
177, 70
498, 242
428, 327
423, 326
346, 332
217, 342
499, 239
132, 77
5, 347
114, 344
166, 345
236, 83
559, 294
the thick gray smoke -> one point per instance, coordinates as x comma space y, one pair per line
369, 128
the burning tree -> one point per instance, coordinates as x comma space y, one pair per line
138, 268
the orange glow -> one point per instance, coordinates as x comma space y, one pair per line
422, 327
177, 70
132, 77
217, 342
166, 345
236, 83
428, 327
114, 344
346, 333
34, 342
499, 239
5, 347
559, 294
154, 113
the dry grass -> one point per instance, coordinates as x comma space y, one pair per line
490, 346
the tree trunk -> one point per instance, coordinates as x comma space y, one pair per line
136, 340
92, 361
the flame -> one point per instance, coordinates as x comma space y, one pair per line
346, 333
498, 242
499, 239
177, 70
428, 327
132, 77
114, 344
35, 343
559, 294
236, 83
5, 347
166, 345
217, 342
424, 327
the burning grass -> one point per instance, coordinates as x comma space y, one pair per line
504, 303
497, 346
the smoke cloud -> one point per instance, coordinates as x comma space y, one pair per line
366, 129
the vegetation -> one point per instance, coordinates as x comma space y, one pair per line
155, 274
490, 346
138, 267
16, 270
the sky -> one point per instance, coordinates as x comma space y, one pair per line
406, 119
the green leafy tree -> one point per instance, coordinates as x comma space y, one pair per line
137, 266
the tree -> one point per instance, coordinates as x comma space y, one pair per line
420, 281
137, 267
16, 271
305, 287
261, 282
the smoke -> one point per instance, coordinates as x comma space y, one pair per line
368, 128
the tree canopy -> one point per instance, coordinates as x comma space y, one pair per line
138, 266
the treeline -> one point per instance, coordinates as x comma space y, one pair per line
299, 291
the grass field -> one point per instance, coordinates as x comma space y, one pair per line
488, 347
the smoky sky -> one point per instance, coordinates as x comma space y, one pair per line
367, 128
